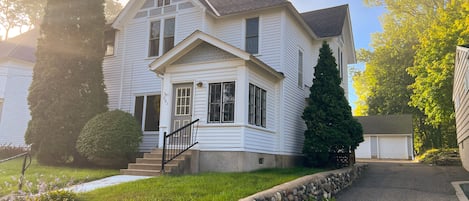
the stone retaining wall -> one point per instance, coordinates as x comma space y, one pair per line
312, 187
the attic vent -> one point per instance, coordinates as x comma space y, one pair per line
186, 5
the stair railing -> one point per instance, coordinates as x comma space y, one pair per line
178, 142
26, 164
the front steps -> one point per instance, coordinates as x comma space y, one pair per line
150, 164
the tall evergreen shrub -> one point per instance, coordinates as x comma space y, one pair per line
328, 116
67, 88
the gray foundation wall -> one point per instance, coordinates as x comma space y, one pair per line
237, 161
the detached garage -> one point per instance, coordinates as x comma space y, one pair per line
386, 137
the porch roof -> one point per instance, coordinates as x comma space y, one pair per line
160, 64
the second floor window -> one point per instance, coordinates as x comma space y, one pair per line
300, 69
163, 3
109, 40
156, 41
221, 102
252, 35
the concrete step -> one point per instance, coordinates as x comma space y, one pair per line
141, 172
144, 166
157, 160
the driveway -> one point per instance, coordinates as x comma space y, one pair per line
404, 181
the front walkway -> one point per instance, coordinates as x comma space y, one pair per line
404, 180
108, 181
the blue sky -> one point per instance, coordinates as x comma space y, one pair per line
365, 21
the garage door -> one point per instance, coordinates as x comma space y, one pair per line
392, 148
364, 149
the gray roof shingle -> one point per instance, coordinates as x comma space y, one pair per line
22, 47
386, 124
326, 22
227, 7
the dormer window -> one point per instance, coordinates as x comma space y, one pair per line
252, 35
162, 3
109, 42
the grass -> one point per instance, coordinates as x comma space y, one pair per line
40, 178
206, 186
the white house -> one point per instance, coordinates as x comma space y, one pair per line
461, 101
242, 67
386, 137
16, 68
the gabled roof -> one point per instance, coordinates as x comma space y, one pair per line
198, 37
326, 22
386, 124
228, 7
21, 47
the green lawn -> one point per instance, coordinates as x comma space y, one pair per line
41, 178
206, 186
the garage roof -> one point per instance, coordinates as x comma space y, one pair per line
386, 124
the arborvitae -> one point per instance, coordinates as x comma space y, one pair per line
67, 88
328, 116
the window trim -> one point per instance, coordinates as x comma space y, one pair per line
257, 107
253, 36
222, 103
108, 42
162, 3
144, 111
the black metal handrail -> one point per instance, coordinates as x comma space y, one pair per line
25, 166
178, 142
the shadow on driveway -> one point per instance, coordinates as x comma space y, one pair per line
404, 181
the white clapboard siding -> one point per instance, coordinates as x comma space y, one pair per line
112, 71
16, 78
219, 138
261, 141
270, 37
187, 23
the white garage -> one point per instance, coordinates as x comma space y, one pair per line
386, 137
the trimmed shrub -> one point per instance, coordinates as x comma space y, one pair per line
110, 139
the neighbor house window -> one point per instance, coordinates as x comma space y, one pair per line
163, 3
257, 106
221, 103
300, 69
252, 35
166, 43
109, 42
341, 64
147, 112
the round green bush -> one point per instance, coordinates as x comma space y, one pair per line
110, 138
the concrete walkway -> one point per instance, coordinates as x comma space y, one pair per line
109, 181
404, 180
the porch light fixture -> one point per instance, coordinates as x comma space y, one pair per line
199, 84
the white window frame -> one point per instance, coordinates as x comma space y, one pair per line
162, 3
258, 34
257, 106
110, 45
161, 38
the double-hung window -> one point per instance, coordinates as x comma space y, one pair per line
147, 112
109, 40
161, 44
340, 63
257, 106
221, 103
252, 35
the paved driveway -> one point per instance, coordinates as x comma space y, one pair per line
404, 181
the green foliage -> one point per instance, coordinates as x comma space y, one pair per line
442, 157
328, 117
200, 187
410, 68
67, 88
111, 137
59, 195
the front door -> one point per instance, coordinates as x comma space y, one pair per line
182, 108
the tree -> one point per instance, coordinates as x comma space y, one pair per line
67, 88
11, 15
328, 116
112, 9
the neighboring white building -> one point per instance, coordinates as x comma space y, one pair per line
461, 101
16, 68
243, 68
386, 137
